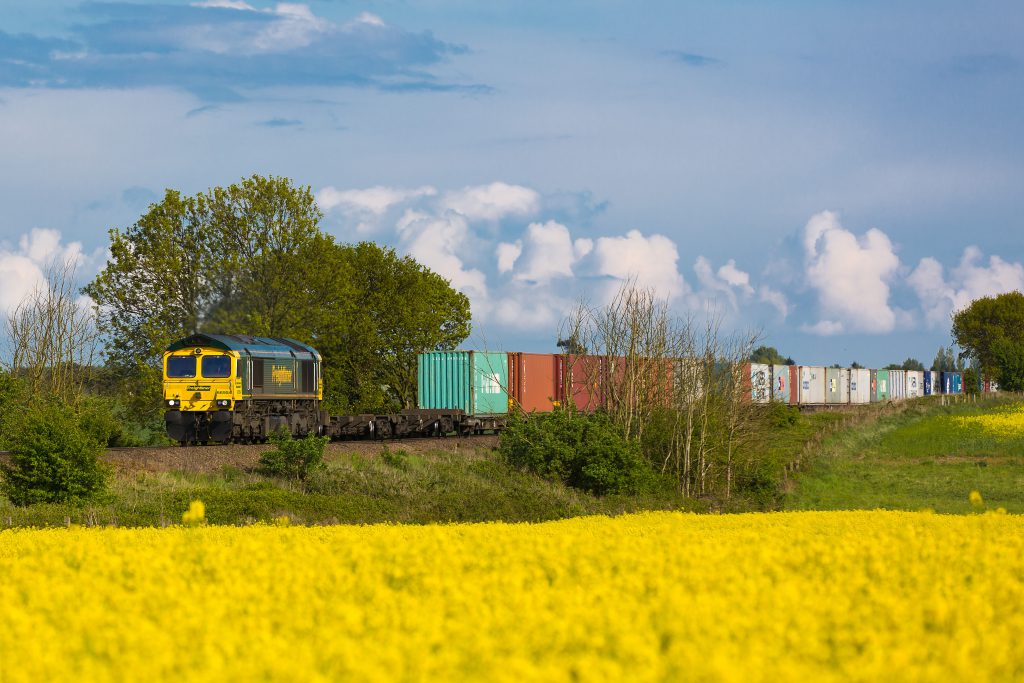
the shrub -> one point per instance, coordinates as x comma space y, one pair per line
585, 451
293, 458
53, 458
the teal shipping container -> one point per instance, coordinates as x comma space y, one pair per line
475, 382
882, 385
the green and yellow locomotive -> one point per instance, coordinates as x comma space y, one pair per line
225, 387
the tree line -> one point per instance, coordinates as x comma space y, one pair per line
252, 258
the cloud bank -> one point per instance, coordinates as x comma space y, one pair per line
216, 47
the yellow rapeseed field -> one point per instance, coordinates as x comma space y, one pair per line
809, 596
1005, 421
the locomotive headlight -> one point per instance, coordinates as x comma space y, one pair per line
223, 403
171, 402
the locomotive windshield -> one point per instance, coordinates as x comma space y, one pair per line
181, 366
216, 366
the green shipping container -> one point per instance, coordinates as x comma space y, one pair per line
882, 385
473, 381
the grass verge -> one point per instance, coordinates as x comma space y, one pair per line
923, 456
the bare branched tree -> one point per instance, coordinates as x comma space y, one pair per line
651, 371
51, 336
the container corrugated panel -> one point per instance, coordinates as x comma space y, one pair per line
533, 381
946, 383
782, 387
915, 384
760, 382
832, 390
812, 385
584, 377
844, 385
860, 386
472, 381
882, 385
897, 385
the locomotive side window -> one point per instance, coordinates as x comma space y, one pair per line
181, 366
308, 377
257, 373
216, 366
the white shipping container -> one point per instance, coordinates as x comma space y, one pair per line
897, 385
860, 386
844, 385
812, 385
760, 383
915, 384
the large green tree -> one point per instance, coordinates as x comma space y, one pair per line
250, 258
991, 332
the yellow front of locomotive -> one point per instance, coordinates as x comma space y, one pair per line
201, 387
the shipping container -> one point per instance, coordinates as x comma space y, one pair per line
782, 384
582, 380
874, 386
953, 382
881, 385
475, 382
812, 385
845, 377
898, 385
832, 390
915, 384
860, 386
759, 377
533, 381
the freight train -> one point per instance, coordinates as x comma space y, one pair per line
238, 388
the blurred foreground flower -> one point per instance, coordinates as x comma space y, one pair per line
195, 515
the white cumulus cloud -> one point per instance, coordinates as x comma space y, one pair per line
851, 276
23, 269
774, 298
435, 241
548, 252
652, 261
492, 202
971, 279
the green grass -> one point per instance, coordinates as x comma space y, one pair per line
392, 487
917, 458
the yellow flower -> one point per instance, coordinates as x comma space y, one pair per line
976, 500
196, 513
822, 596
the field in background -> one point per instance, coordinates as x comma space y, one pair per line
924, 456
658, 596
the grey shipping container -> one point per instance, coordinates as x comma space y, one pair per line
832, 381
915, 384
860, 386
812, 385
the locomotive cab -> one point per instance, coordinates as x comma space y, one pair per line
201, 387
221, 388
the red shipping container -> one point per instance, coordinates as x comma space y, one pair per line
533, 381
581, 379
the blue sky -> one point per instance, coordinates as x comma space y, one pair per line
840, 174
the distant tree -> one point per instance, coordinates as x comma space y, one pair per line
893, 366
991, 332
856, 366
912, 364
945, 360
835, 365
768, 355
571, 345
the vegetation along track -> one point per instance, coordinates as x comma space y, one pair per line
213, 458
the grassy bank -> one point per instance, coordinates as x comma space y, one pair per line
362, 487
925, 455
